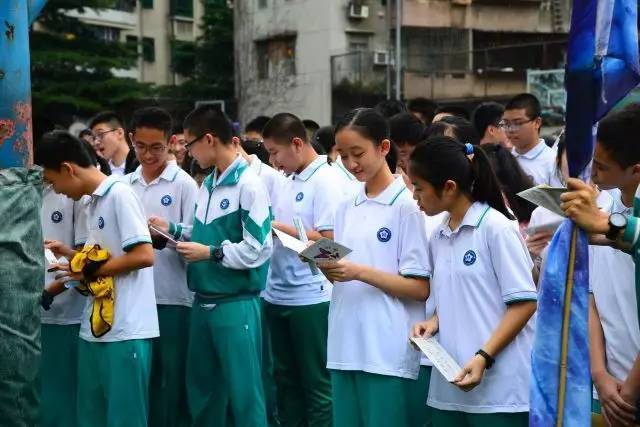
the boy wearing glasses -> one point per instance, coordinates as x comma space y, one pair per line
111, 143
522, 120
168, 192
228, 258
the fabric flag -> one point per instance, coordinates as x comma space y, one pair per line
602, 67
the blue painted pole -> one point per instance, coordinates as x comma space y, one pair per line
16, 132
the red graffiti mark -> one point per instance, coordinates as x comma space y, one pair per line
23, 112
7, 129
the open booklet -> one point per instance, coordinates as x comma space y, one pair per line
442, 361
321, 250
545, 196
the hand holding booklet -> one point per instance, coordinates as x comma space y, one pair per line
441, 360
321, 250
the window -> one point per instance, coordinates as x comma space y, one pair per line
276, 57
358, 42
262, 4
148, 49
108, 34
182, 8
132, 43
147, 4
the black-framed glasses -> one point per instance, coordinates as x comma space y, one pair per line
514, 125
99, 136
193, 141
155, 149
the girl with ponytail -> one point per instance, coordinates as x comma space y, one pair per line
482, 286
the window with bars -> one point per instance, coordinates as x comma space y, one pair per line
276, 56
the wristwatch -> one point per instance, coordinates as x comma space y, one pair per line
617, 223
489, 360
217, 254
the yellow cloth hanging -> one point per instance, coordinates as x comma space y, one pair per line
101, 288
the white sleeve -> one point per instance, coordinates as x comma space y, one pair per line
413, 246
325, 203
257, 244
132, 222
80, 229
512, 264
189, 199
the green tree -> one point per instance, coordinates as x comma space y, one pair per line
72, 65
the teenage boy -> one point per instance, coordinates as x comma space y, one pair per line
522, 120
113, 367
169, 192
111, 143
407, 131
613, 317
486, 119
423, 108
64, 221
228, 264
297, 298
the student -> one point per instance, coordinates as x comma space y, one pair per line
227, 268
390, 107
613, 319
450, 111
312, 127
177, 147
423, 108
111, 143
169, 192
406, 131
113, 369
63, 221
252, 138
486, 119
325, 137
456, 127
522, 120
380, 288
484, 293
297, 299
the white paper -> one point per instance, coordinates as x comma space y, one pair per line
290, 242
442, 360
545, 196
551, 227
325, 250
50, 257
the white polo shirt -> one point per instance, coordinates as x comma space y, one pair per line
66, 221
612, 283
116, 222
117, 170
351, 184
478, 269
313, 195
271, 178
171, 196
539, 163
368, 328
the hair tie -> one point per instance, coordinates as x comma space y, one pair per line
468, 149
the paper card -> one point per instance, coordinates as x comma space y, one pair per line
290, 242
170, 240
50, 257
441, 360
325, 250
545, 196
551, 227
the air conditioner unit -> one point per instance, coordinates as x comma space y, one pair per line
358, 11
381, 57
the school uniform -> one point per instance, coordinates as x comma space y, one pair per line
368, 351
350, 183
611, 282
113, 370
477, 271
297, 301
63, 220
171, 196
225, 339
539, 164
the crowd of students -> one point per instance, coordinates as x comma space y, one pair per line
176, 305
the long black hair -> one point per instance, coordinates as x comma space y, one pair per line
512, 179
443, 159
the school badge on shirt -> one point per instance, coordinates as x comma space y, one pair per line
56, 217
299, 196
384, 234
469, 258
166, 200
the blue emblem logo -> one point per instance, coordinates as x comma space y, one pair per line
56, 217
299, 196
224, 204
384, 234
166, 200
100, 223
469, 258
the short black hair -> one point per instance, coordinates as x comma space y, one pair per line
311, 125
424, 106
177, 128
486, 114
460, 129
254, 147
85, 132
326, 137
257, 124
527, 102
283, 127
152, 117
390, 107
616, 133
107, 117
405, 128
454, 110
209, 119
58, 146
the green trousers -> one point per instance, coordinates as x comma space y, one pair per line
58, 375
419, 412
268, 380
168, 389
361, 399
303, 383
465, 419
224, 369
113, 383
